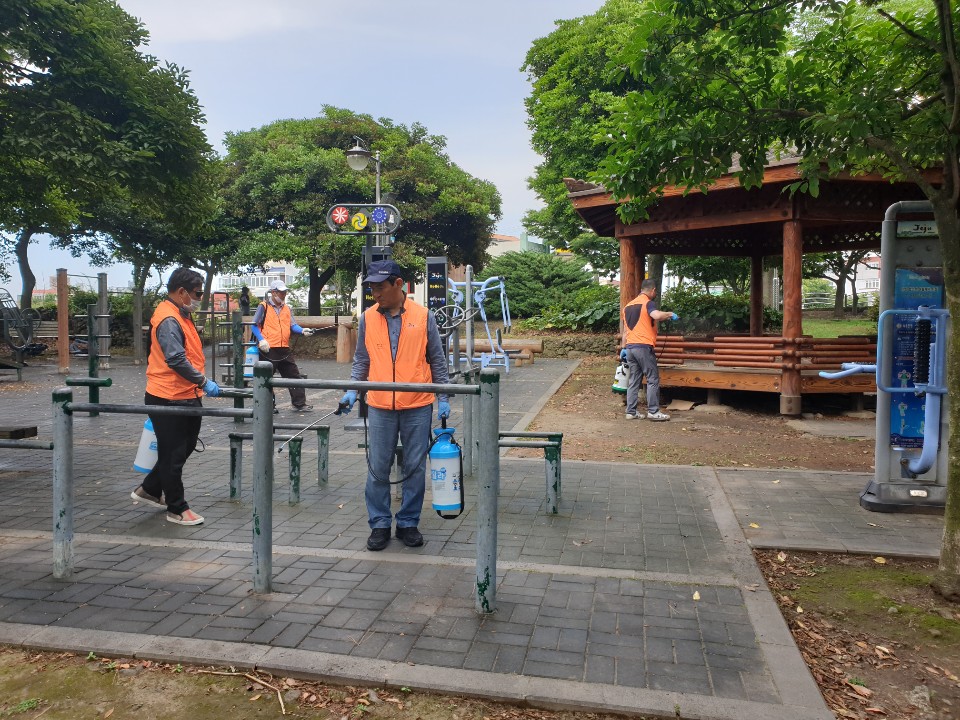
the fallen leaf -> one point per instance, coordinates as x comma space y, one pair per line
696, 595
754, 525
782, 556
108, 713
873, 525
860, 690
799, 609
876, 711
340, 506
752, 587
776, 482
255, 697
880, 560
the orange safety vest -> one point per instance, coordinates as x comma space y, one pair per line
411, 365
161, 380
645, 331
276, 325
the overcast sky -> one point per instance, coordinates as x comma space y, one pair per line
453, 66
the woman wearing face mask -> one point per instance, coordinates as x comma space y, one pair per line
175, 376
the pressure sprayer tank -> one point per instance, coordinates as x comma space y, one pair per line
147, 452
249, 360
445, 480
621, 378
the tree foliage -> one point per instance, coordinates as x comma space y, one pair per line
572, 93
284, 177
849, 85
86, 118
535, 281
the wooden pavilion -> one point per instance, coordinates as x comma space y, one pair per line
767, 221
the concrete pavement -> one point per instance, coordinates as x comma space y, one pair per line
640, 596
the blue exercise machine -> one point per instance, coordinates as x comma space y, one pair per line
911, 454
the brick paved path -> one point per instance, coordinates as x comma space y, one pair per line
600, 596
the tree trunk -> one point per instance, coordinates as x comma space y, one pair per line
27, 278
838, 296
140, 275
317, 282
207, 302
655, 263
947, 581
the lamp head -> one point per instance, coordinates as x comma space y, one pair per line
358, 157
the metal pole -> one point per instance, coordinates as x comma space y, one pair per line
323, 455
137, 320
239, 353
488, 488
558, 439
468, 403
62, 484
236, 467
475, 441
262, 478
552, 465
293, 455
103, 322
93, 355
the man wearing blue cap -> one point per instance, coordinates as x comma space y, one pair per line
397, 341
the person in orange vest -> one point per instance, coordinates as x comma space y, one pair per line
397, 341
273, 324
175, 376
639, 319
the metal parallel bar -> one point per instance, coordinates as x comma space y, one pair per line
550, 435
488, 488
250, 435
89, 382
295, 446
525, 444
159, 410
323, 455
262, 478
62, 484
358, 385
25, 444
236, 467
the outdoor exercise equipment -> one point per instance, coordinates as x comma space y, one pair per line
468, 302
18, 325
911, 453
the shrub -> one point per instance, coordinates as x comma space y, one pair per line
595, 308
702, 313
534, 282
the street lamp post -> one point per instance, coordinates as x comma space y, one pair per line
358, 157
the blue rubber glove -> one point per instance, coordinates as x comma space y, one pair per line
347, 401
211, 389
623, 354
674, 316
443, 410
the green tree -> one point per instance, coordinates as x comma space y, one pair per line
571, 94
86, 116
840, 268
284, 177
848, 85
730, 273
535, 281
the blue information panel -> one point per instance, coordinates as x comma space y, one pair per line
914, 287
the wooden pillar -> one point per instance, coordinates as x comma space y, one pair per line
63, 322
346, 342
792, 311
631, 270
756, 295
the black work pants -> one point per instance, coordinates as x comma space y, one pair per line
176, 440
283, 363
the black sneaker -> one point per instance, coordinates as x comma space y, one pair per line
379, 537
303, 408
410, 535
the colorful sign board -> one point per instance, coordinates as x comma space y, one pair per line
352, 219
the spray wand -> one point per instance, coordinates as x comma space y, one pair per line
339, 411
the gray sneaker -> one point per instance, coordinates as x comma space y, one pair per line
632, 416
658, 416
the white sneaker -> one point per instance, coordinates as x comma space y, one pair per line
658, 416
631, 416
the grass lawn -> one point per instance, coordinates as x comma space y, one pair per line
831, 328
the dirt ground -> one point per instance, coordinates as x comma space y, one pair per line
750, 434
